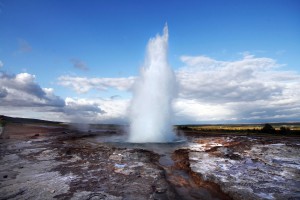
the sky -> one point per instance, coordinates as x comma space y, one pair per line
73, 60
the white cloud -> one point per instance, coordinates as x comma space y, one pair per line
246, 90
210, 91
21, 90
21, 96
248, 79
111, 111
192, 110
84, 84
250, 89
3, 92
196, 60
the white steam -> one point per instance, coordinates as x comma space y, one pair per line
151, 106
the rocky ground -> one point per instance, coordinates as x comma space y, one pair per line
49, 163
249, 167
59, 162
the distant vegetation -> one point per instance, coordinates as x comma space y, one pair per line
274, 128
268, 129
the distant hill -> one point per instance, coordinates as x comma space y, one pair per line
27, 120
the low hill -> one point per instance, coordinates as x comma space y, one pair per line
27, 120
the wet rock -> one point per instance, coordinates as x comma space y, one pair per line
116, 157
233, 156
160, 190
188, 181
71, 166
94, 196
258, 171
13, 195
123, 169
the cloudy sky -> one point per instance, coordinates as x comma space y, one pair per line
235, 61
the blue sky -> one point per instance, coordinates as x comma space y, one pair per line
52, 40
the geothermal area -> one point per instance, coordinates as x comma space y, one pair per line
150, 158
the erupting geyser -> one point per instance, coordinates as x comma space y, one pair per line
151, 106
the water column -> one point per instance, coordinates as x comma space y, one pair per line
151, 107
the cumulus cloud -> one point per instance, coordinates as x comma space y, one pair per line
22, 96
3, 92
193, 110
21, 90
96, 110
79, 64
84, 84
248, 79
250, 89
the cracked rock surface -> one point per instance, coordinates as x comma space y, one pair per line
60, 164
249, 168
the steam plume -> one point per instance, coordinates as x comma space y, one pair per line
151, 106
